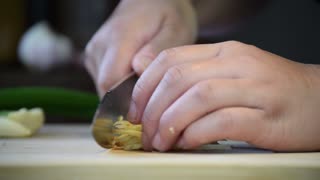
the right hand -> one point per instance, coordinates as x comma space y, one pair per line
193, 95
134, 35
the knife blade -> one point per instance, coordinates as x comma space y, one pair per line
115, 103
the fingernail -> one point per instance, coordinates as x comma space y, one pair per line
181, 144
157, 143
132, 114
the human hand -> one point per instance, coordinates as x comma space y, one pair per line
134, 35
194, 95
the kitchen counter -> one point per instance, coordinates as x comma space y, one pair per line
69, 152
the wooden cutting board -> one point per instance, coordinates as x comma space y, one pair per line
69, 152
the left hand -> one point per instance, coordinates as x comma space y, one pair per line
194, 95
134, 35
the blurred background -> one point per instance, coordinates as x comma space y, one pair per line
289, 28
77, 20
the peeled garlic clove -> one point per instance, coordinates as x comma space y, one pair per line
21, 123
10, 128
32, 119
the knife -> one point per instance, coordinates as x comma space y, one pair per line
115, 103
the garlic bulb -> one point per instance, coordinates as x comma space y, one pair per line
42, 49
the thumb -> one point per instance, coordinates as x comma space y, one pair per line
164, 39
115, 64
234, 123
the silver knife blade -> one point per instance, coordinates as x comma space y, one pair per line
115, 103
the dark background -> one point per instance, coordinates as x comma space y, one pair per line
289, 28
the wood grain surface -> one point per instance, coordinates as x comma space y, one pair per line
69, 152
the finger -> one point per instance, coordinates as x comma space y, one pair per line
165, 38
116, 63
144, 58
91, 68
203, 98
179, 79
96, 47
152, 76
235, 123
123, 45
94, 52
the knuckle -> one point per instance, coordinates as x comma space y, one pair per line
87, 63
89, 47
233, 43
174, 75
202, 90
138, 67
236, 46
95, 42
101, 84
142, 61
166, 56
94, 48
240, 49
89, 66
147, 52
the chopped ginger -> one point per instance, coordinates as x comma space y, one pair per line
126, 136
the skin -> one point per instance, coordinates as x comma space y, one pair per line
132, 38
194, 95
139, 30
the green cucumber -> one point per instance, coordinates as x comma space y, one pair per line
4, 113
54, 101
